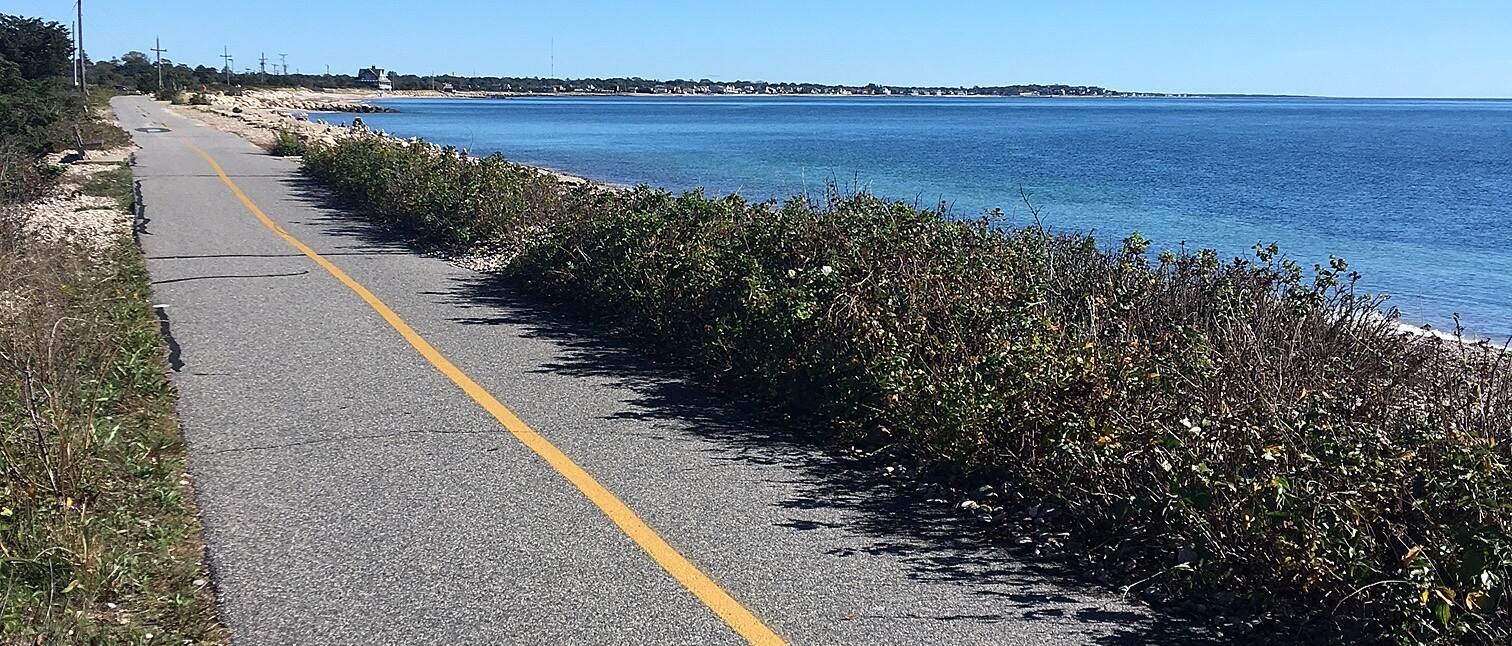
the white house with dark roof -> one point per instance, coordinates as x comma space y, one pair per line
374, 77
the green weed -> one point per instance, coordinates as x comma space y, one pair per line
287, 144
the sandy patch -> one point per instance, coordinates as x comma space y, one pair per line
96, 223
67, 215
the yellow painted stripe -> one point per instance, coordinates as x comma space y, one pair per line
743, 621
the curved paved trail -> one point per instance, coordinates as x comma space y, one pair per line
355, 489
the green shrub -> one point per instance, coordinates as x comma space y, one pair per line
37, 113
37, 110
199, 98
1250, 432
23, 176
287, 144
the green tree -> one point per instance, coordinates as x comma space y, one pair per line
41, 50
34, 104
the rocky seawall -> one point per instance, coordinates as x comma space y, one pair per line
304, 100
336, 106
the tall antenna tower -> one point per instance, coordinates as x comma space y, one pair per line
157, 48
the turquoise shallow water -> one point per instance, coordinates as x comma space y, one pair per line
1417, 195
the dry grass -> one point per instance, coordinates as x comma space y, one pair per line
98, 540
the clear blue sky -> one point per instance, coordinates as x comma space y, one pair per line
1323, 47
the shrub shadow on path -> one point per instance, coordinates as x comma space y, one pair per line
889, 517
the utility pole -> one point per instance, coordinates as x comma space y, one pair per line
75, 61
262, 63
285, 59
79, 16
226, 56
157, 48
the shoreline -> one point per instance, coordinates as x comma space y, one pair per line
264, 112
258, 116
290, 96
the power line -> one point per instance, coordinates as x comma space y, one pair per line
79, 33
226, 55
262, 63
285, 59
157, 48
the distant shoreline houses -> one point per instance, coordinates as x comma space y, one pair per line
637, 86
375, 77
378, 78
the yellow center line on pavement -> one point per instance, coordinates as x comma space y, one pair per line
742, 620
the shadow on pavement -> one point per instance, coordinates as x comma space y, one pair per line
894, 517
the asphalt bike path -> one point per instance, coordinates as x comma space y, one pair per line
387, 448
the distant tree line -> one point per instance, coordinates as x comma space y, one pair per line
136, 71
639, 85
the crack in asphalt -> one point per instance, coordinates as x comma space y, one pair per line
139, 217
175, 352
217, 276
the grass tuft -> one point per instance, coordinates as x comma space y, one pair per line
288, 144
115, 183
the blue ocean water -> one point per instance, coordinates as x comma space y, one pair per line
1415, 194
